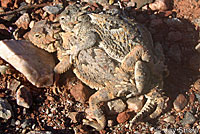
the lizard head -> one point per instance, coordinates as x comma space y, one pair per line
72, 15
45, 35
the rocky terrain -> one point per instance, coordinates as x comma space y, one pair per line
28, 108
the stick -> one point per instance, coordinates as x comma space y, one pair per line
22, 8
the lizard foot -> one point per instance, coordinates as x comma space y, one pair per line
63, 65
155, 101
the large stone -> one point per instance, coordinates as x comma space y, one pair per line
5, 109
36, 64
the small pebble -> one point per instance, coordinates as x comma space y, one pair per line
13, 85
197, 85
188, 119
169, 119
12, 122
24, 97
157, 132
5, 109
23, 21
136, 103
198, 97
17, 123
110, 123
53, 9
180, 102
31, 24
3, 69
80, 92
123, 117
116, 106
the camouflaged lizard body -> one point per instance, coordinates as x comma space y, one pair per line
109, 53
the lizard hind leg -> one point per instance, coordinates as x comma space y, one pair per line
142, 76
98, 114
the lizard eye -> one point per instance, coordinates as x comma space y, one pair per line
62, 18
37, 35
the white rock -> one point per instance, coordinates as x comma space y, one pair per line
36, 64
116, 106
135, 103
29, 1
31, 24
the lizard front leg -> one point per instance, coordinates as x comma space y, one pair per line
96, 111
84, 42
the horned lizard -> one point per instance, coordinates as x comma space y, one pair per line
109, 53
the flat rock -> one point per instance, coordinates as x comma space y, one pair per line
180, 102
36, 64
5, 109
23, 97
